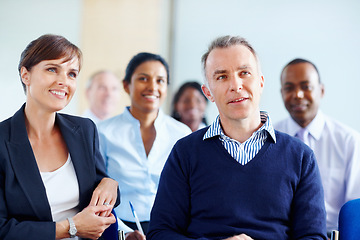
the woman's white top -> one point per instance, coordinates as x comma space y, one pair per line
62, 190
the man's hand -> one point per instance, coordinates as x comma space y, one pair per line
136, 235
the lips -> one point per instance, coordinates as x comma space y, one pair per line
151, 97
238, 100
299, 107
59, 93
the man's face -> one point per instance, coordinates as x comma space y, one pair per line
104, 94
234, 83
301, 92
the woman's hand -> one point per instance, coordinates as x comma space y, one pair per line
105, 194
135, 235
90, 225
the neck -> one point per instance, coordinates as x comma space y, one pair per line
39, 123
192, 124
303, 124
146, 119
99, 114
240, 130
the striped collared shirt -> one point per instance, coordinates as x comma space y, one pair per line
246, 151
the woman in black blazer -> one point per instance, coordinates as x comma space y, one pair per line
53, 183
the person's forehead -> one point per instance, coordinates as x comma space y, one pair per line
63, 62
300, 72
105, 78
233, 56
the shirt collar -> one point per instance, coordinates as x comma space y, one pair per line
158, 121
315, 127
216, 130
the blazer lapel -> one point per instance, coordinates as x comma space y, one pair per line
25, 167
79, 152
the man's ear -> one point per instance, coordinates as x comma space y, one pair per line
262, 82
207, 93
25, 76
322, 90
126, 86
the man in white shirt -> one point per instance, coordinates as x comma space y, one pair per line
336, 146
103, 94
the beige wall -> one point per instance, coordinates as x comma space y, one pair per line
115, 30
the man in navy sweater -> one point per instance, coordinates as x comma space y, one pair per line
238, 178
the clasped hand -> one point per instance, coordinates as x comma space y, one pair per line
94, 219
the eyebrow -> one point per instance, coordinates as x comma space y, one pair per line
302, 82
145, 74
217, 72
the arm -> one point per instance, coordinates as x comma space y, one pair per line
18, 228
308, 210
107, 190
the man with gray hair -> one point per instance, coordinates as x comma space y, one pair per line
238, 178
103, 94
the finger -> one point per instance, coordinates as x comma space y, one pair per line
94, 199
106, 213
138, 235
101, 208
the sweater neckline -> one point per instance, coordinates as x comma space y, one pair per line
255, 161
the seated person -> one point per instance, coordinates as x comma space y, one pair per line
238, 178
136, 143
103, 95
53, 183
336, 146
189, 106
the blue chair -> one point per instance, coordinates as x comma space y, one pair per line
111, 233
349, 220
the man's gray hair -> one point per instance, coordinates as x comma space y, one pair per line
225, 42
91, 78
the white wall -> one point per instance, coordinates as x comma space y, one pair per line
325, 32
22, 21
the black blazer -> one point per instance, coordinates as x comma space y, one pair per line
24, 209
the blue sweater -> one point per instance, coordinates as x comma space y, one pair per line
205, 194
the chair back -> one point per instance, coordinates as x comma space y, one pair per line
349, 220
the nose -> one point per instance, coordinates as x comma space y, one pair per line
153, 84
299, 93
192, 103
61, 79
236, 83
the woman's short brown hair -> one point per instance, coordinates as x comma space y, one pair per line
48, 47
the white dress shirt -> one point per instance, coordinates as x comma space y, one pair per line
137, 174
336, 148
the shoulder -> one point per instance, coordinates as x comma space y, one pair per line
117, 122
5, 127
291, 146
71, 119
285, 139
193, 140
175, 125
13, 123
281, 125
341, 130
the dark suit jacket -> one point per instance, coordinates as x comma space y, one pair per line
24, 209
